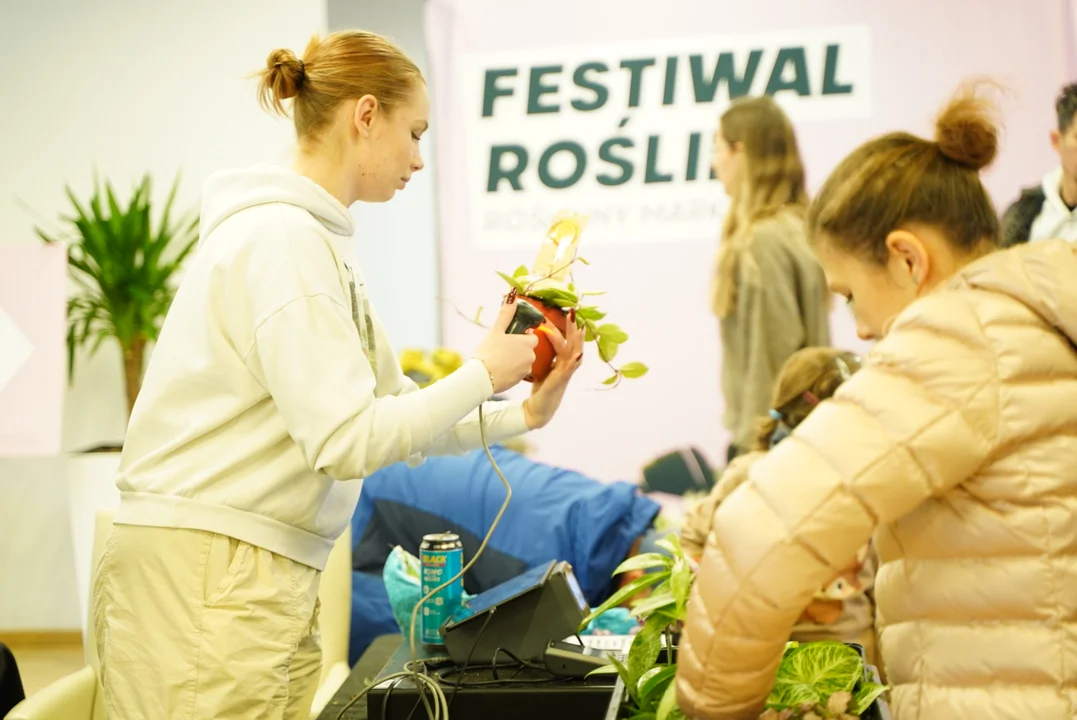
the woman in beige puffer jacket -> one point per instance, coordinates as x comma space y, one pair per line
843, 611
956, 443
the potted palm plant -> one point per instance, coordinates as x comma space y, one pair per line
124, 264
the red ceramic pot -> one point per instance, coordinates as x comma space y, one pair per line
544, 352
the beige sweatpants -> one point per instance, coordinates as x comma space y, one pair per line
192, 625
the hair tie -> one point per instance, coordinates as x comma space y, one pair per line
809, 397
774, 414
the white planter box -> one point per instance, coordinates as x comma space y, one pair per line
92, 481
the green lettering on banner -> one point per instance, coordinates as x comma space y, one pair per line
692, 169
536, 89
490, 90
547, 179
670, 90
724, 69
499, 173
636, 68
602, 94
799, 83
831, 86
652, 175
605, 153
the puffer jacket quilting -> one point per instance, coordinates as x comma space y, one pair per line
957, 441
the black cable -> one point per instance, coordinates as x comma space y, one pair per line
470, 654
519, 664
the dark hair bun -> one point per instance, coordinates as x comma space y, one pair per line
284, 74
966, 131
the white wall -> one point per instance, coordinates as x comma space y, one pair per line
398, 240
126, 87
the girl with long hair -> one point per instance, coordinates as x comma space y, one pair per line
769, 293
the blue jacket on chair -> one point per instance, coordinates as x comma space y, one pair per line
554, 514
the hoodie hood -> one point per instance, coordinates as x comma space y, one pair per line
231, 191
1038, 274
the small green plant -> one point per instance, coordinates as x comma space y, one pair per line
125, 269
815, 681
820, 681
650, 685
551, 283
607, 336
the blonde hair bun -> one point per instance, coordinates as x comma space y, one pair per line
967, 132
284, 74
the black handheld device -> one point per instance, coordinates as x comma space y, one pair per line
527, 317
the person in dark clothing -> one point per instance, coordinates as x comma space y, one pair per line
11, 689
1049, 210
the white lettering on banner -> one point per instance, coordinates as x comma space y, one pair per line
15, 349
624, 132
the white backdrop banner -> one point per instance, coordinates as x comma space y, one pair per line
624, 130
33, 356
609, 109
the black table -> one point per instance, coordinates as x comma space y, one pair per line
533, 696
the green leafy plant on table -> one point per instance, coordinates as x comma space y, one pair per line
651, 692
819, 681
125, 268
815, 681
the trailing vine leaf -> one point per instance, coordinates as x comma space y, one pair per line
513, 282
580, 259
607, 348
589, 333
588, 312
612, 332
520, 272
634, 370
611, 380
478, 313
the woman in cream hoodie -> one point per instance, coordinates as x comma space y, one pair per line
272, 390
956, 444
